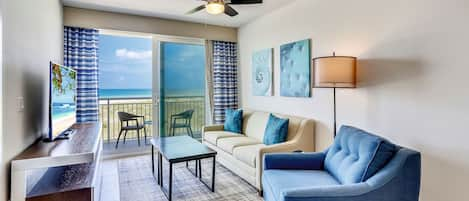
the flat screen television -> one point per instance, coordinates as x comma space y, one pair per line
62, 101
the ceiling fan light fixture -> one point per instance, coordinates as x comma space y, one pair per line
215, 7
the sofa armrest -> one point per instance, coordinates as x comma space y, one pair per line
303, 140
216, 127
287, 146
299, 161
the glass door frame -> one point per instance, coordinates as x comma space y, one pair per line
157, 41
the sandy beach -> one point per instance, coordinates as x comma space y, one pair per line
61, 124
125, 101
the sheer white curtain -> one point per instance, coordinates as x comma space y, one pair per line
209, 82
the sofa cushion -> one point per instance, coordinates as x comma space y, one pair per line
229, 143
248, 154
276, 130
356, 155
254, 124
278, 180
213, 136
233, 120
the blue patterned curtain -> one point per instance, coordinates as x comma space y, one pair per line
81, 53
225, 79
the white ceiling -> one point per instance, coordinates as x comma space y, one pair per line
175, 9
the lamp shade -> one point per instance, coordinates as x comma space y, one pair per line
335, 72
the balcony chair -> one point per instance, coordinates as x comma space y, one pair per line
124, 119
182, 120
357, 167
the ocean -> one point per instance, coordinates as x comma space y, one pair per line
60, 110
145, 93
124, 93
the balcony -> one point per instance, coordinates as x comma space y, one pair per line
108, 108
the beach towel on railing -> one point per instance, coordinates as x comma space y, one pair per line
81, 53
225, 78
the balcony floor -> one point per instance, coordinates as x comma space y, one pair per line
130, 148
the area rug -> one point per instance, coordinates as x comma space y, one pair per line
137, 183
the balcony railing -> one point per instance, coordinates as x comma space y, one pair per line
108, 108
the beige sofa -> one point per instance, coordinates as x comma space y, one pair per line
243, 153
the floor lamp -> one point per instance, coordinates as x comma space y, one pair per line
335, 72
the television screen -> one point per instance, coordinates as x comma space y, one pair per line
62, 99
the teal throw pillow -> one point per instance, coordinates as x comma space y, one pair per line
233, 120
276, 130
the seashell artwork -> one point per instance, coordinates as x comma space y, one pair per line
262, 72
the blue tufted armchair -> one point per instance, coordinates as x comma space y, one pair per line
358, 166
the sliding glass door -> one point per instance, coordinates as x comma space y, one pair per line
181, 91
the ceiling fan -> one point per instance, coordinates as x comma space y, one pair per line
216, 7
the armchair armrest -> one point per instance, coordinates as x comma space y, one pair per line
217, 127
136, 121
298, 161
126, 121
135, 117
288, 146
302, 140
337, 191
140, 116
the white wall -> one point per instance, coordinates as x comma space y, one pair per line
412, 76
33, 35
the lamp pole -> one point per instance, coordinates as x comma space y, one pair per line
335, 119
335, 115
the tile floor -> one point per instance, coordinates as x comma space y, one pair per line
110, 183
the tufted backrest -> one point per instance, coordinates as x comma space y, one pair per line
357, 155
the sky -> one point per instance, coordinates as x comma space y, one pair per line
183, 68
126, 63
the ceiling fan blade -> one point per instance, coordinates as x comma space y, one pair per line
230, 11
201, 7
245, 2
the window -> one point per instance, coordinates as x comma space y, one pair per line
125, 66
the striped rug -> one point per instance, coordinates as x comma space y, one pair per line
138, 184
